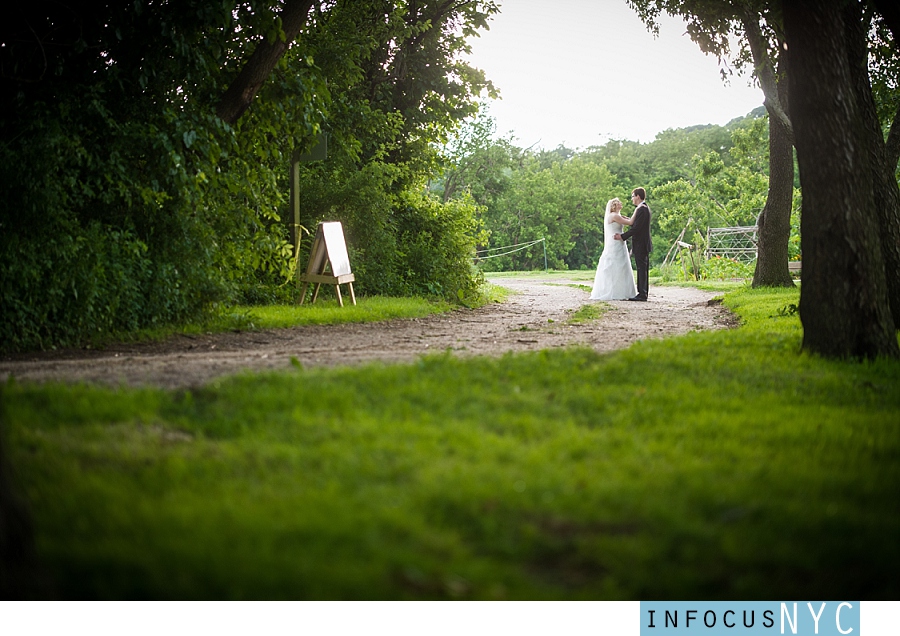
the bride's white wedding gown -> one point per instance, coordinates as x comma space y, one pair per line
614, 279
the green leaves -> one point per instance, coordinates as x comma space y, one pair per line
188, 138
276, 33
561, 194
125, 143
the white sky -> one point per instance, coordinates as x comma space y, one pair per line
581, 72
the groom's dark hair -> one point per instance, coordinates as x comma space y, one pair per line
640, 192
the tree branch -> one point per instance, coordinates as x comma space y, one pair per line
40, 45
243, 89
764, 72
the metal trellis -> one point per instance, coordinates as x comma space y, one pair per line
739, 243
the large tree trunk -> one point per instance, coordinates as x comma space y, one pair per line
884, 183
243, 89
843, 301
775, 220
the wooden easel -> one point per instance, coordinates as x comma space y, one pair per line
329, 252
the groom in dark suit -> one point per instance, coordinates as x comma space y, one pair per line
641, 246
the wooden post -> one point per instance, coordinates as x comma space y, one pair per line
295, 206
318, 152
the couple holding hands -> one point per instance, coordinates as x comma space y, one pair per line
614, 279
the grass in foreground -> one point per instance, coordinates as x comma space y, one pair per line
714, 465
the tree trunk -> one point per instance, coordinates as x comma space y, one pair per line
775, 220
243, 89
843, 301
884, 183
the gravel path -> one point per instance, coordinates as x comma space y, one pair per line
533, 318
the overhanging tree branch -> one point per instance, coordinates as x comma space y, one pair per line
764, 72
243, 89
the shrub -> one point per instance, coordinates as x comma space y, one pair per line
721, 268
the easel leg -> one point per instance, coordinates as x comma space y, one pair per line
352, 295
337, 291
316, 292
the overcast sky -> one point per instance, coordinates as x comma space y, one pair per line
581, 72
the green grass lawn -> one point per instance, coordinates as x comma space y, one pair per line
714, 465
328, 312
711, 284
325, 311
587, 276
558, 274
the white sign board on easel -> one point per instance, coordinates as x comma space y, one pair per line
329, 263
336, 248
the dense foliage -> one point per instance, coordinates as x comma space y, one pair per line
128, 203
696, 178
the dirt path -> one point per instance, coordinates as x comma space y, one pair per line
533, 318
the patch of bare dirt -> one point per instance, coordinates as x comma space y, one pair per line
535, 317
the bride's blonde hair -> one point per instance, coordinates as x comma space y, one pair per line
611, 202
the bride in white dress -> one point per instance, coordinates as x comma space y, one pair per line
614, 279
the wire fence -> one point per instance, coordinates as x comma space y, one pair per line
518, 248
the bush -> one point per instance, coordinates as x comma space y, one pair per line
721, 268
401, 241
436, 242
81, 255
81, 282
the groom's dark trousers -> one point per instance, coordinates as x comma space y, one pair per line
641, 247
642, 264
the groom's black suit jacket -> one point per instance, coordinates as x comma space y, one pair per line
641, 245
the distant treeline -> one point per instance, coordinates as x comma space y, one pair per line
696, 177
